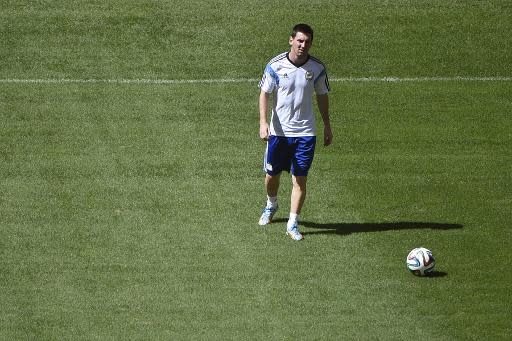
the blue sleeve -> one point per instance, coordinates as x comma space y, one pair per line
269, 80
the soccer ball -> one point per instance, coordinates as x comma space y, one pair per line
420, 261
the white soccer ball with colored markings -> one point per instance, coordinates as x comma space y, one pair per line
420, 261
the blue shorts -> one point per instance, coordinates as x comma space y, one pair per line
291, 154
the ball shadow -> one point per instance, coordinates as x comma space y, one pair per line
435, 274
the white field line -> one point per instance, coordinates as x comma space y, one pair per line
422, 79
248, 80
127, 81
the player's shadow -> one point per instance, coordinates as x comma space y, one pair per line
348, 228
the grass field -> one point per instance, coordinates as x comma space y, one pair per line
129, 210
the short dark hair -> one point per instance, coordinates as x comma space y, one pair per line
304, 28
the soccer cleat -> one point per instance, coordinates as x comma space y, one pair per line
266, 216
294, 233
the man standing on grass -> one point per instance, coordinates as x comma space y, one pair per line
292, 77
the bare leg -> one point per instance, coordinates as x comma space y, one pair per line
298, 193
272, 184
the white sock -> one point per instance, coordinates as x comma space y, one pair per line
293, 220
271, 201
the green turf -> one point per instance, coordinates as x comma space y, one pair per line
129, 211
235, 38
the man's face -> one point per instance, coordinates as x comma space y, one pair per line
300, 45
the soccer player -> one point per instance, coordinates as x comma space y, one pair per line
292, 78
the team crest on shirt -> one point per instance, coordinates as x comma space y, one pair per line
309, 75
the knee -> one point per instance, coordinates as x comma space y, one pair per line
299, 182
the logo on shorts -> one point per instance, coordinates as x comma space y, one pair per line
309, 75
269, 167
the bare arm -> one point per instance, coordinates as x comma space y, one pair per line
263, 103
323, 107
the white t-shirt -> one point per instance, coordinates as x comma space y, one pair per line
293, 87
